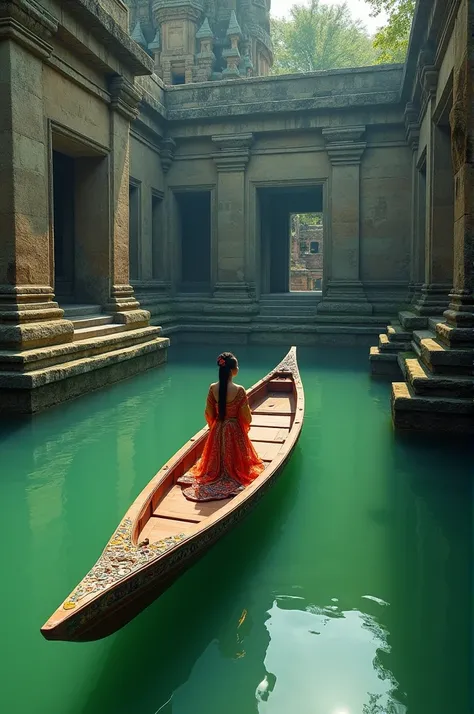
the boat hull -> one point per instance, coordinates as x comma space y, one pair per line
131, 574
144, 588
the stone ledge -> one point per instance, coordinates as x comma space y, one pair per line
29, 401
109, 33
55, 373
30, 360
414, 413
425, 383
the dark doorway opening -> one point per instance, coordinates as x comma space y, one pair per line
278, 206
195, 221
64, 224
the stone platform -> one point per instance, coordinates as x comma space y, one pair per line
101, 352
437, 363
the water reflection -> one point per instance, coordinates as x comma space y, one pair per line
326, 660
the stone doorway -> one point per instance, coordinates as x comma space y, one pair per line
64, 225
194, 212
279, 207
80, 220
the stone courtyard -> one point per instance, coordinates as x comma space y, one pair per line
149, 187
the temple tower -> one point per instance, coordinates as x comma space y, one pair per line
204, 40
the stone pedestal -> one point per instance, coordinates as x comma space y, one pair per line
345, 293
231, 157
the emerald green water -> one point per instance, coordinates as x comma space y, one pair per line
352, 577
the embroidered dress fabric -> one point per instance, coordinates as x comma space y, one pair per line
229, 461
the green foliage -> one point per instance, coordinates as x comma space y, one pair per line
391, 41
319, 37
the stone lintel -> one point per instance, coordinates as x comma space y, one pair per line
29, 24
124, 98
167, 152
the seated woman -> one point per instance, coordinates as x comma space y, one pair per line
229, 461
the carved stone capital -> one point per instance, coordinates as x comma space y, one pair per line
429, 82
232, 151
344, 145
124, 98
28, 23
167, 152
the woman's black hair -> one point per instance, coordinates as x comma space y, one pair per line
226, 362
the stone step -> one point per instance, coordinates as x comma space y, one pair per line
425, 383
41, 357
91, 321
86, 333
385, 345
441, 358
277, 311
384, 364
81, 364
377, 321
422, 413
411, 321
72, 311
280, 318
454, 336
396, 333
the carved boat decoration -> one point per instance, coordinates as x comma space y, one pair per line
163, 533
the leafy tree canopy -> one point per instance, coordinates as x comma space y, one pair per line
318, 37
391, 41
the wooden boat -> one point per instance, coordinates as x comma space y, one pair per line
163, 533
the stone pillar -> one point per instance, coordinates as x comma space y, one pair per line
345, 292
29, 317
439, 231
231, 156
122, 301
418, 221
460, 314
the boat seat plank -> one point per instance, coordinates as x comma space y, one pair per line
267, 450
268, 433
176, 505
276, 402
158, 528
273, 420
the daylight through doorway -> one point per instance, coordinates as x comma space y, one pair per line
306, 252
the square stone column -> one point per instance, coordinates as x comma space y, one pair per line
439, 206
345, 292
461, 308
231, 157
418, 221
123, 110
29, 316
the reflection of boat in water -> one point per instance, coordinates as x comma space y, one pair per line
163, 533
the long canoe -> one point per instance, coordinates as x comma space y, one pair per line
163, 533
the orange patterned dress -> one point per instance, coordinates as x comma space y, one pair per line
229, 461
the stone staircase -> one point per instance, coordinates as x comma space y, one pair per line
383, 358
71, 368
289, 308
438, 392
